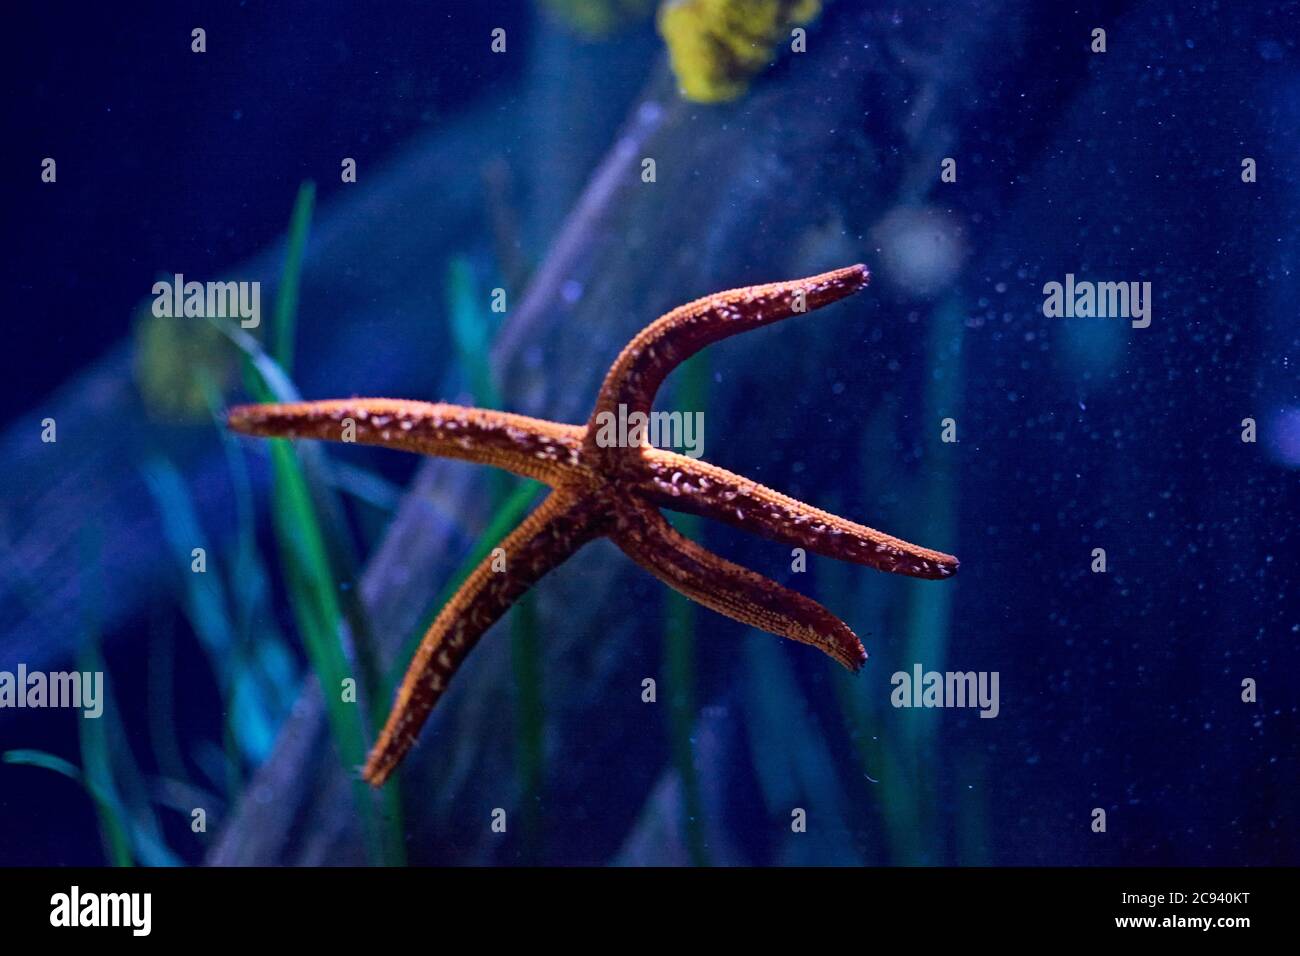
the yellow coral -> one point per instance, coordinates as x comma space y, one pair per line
717, 46
598, 17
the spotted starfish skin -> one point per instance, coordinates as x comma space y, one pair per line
616, 492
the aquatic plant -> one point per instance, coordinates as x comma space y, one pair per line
473, 329
895, 752
253, 673
284, 320
718, 46
691, 391
928, 613
316, 557
108, 773
110, 811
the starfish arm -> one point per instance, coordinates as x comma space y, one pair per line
661, 346
679, 483
558, 528
525, 446
729, 589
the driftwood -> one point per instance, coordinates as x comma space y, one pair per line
784, 182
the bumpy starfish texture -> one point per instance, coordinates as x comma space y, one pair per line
606, 490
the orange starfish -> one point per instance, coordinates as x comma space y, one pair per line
602, 489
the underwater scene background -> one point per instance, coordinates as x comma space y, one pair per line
1121, 489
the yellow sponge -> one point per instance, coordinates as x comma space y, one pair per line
717, 46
